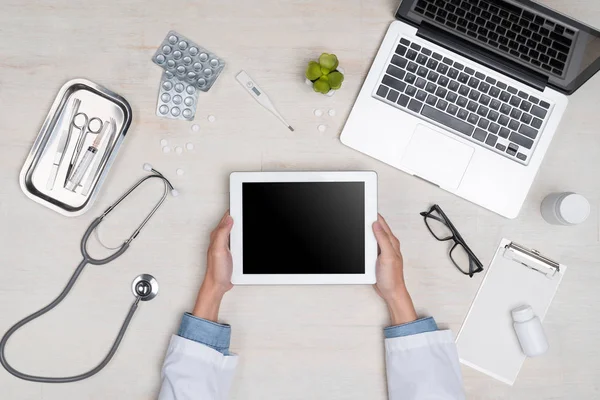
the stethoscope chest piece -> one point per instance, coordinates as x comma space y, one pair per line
145, 287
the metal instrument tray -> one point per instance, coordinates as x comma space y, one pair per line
96, 101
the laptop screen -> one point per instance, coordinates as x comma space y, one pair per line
530, 35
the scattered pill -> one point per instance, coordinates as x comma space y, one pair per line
178, 150
318, 113
166, 149
211, 118
179, 171
331, 112
322, 128
195, 128
189, 146
164, 142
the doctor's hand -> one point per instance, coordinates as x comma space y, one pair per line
219, 268
390, 275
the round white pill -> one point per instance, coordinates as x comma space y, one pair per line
166, 149
190, 89
164, 142
188, 101
211, 118
331, 112
170, 64
183, 45
187, 60
175, 111
167, 85
201, 82
195, 128
193, 51
178, 87
322, 128
166, 49
179, 171
203, 57
160, 59
214, 63
163, 109
189, 146
198, 66
169, 74
147, 167
187, 113
177, 55
177, 99
318, 113
173, 39
165, 97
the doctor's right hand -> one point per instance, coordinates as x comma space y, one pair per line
219, 268
390, 275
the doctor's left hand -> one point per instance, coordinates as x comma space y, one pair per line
219, 268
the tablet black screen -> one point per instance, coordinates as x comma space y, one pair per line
303, 228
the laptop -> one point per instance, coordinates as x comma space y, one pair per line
467, 94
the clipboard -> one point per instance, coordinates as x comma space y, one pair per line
517, 275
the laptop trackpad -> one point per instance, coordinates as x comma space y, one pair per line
436, 157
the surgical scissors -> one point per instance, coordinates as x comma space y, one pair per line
84, 128
144, 287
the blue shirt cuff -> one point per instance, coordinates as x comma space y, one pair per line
412, 328
211, 334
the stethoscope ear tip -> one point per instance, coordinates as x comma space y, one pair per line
147, 167
174, 192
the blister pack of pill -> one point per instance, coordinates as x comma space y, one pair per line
176, 99
188, 61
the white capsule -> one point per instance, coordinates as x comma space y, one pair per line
166, 149
164, 142
331, 112
318, 113
179, 171
189, 146
211, 118
195, 128
322, 128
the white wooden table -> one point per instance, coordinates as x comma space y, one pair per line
294, 342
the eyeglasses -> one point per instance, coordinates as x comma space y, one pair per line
442, 229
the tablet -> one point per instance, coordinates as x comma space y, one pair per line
303, 227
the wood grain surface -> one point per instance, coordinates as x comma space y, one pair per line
294, 342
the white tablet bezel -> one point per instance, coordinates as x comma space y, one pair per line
238, 178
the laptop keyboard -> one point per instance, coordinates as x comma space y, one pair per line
487, 111
508, 28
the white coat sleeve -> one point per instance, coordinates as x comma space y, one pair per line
193, 371
423, 366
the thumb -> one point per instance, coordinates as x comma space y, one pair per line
383, 240
221, 235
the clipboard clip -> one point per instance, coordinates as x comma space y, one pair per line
531, 259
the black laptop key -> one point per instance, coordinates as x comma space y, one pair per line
447, 120
422, 59
501, 85
500, 146
410, 78
479, 134
526, 118
415, 105
433, 76
516, 113
494, 92
442, 104
403, 100
521, 140
443, 81
462, 113
495, 105
420, 83
441, 92
412, 67
483, 123
442, 68
474, 95
462, 101
401, 50
557, 64
505, 109
437, 56
484, 87
536, 123
512, 90
513, 124
421, 95
463, 78
425, 51
505, 96
479, 75
432, 64
411, 90
521, 156
539, 111
562, 57
393, 95
503, 120
382, 91
494, 128
458, 66
399, 61
452, 109
544, 105
560, 38
448, 61
493, 115
393, 83
525, 106
469, 71
472, 118
422, 71
453, 85
528, 131
464, 90
395, 72
504, 133
491, 140
512, 149
452, 73
431, 100
415, 46
483, 111
472, 106
411, 54
474, 82
560, 47
405, 42
515, 101
451, 97
485, 100
430, 87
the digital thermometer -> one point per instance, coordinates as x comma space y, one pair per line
251, 87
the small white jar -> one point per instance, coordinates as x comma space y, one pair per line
529, 331
565, 208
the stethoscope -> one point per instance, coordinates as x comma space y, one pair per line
144, 287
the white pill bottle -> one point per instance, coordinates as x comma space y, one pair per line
529, 331
565, 208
